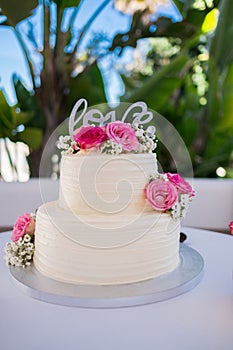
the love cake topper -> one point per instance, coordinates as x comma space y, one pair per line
94, 115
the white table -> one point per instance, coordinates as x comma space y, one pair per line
200, 319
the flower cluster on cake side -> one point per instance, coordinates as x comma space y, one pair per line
169, 193
231, 227
19, 252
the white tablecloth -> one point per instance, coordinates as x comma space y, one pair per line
200, 319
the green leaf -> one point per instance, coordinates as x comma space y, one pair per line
17, 10
67, 3
214, 95
31, 136
7, 120
218, 152
153, 82
26, 99
88, 84
129, 82
221, 44
28, 104
161, 92
165, 28
196, 17
23, 117
180, 5
225, 124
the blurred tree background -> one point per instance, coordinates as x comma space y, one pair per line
181, 69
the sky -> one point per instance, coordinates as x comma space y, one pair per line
109, 21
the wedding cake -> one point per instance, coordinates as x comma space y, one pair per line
117, 220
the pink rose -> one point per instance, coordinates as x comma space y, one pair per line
90, 136
161, 195
122, 134
24, 224
181, 184
231, 227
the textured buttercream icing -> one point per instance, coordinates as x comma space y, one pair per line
58, 256
100, 184
101, 230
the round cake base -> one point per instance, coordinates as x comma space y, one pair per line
185, 277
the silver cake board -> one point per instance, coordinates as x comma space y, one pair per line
185, 277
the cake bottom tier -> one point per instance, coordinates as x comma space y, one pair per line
70, 249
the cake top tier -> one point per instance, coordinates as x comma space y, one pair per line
112, 134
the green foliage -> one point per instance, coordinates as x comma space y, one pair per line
192, 86
16, 10
221, 44
67, 3
159, 86
59, 87
32, 137
11, 118
165, 28
92, 86
205, 121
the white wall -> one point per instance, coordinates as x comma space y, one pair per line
212, 208
17, 198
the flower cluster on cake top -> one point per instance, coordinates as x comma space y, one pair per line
114, 138
109, 133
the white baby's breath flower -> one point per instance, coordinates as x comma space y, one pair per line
110, 147
27, 238
147, 140
140, 148
163, 177
60, 143
75, 146
21, 252
176, 211
66, 138
183, 212
29, 246
8, 247
14, 247
66, 145
12, 260
69, 150
184, 200
20, 242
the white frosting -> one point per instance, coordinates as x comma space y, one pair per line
104, 184
101, 230
59, 257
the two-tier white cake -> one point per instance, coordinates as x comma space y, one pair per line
117, 220
93, 238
